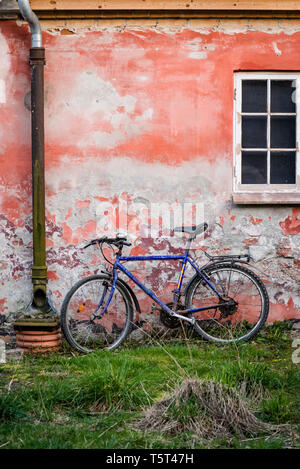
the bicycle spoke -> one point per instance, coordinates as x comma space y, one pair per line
229, 282
222, 286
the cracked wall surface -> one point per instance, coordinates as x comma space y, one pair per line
137, 115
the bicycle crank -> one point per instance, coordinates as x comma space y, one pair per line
172, 322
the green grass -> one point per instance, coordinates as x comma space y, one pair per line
92, 401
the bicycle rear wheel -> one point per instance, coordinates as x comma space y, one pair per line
228, 324
82, 301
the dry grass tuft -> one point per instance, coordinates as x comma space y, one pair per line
207, 409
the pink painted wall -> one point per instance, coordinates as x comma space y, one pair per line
136, 117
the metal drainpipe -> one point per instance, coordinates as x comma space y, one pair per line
37, 62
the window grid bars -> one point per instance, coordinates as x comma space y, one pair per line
268, 131
269, 114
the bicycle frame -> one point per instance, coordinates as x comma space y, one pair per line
185, 260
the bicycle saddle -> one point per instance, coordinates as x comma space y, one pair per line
192, 230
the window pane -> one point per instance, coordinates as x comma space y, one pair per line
282, 96
254, 167
254, 96
283, 167
283, 132
254, 132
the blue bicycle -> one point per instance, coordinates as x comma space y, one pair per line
224, 301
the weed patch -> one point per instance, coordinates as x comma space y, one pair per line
207, 409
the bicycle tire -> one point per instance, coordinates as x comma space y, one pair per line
88, 326
205, 325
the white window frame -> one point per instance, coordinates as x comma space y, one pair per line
263, 193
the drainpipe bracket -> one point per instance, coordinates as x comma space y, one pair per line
37, 56
39, 274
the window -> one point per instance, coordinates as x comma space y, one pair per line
266, 138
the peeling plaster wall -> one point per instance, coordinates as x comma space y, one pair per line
136, 116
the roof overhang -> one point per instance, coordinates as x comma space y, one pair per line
77, 9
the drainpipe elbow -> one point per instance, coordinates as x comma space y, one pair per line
32, 20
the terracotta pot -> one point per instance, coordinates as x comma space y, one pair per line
33, 341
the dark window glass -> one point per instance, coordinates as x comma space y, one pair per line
254, 167
283, 167
254, 96
282, 96
254, 132
283, 132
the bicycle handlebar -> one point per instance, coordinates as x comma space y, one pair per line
116, 241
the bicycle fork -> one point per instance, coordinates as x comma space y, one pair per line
106, 285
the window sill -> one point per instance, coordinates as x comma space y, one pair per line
266, 197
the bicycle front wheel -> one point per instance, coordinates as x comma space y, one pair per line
82, 301
237, 322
